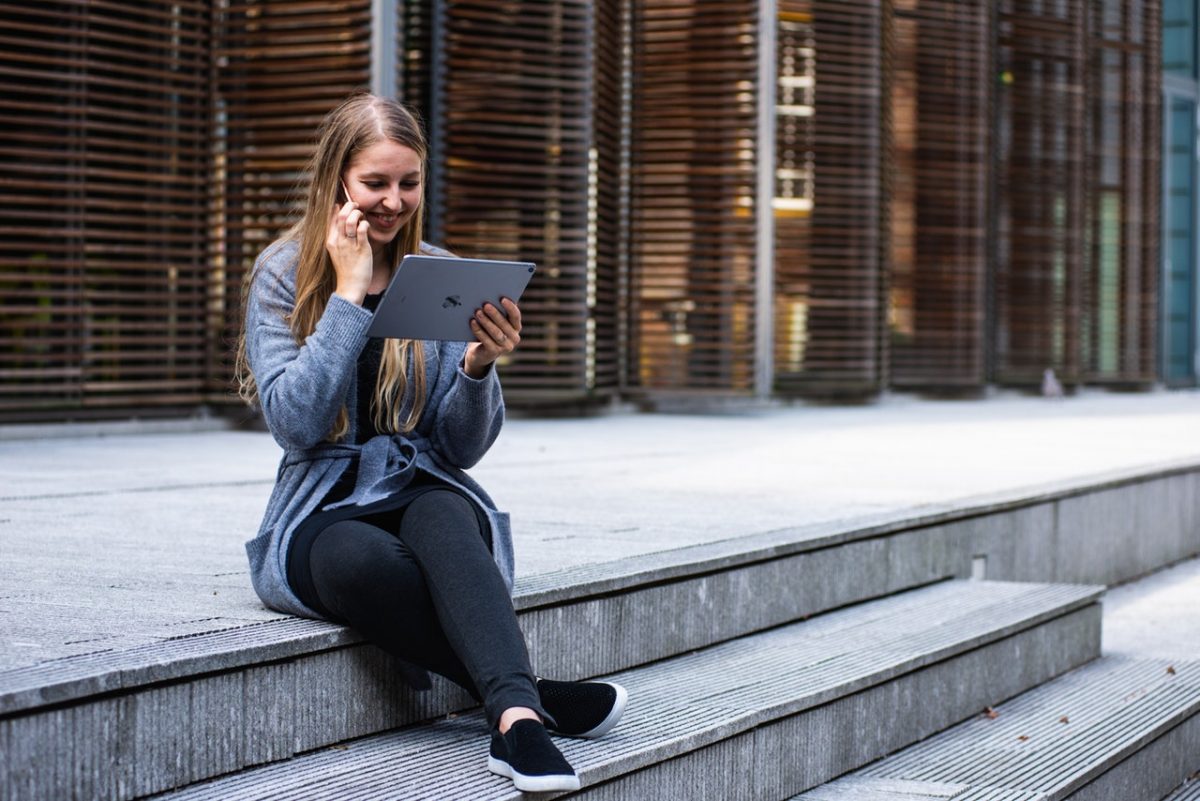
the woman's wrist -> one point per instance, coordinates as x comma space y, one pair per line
475, 371
353, 294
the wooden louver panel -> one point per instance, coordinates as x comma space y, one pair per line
828, 200
526, 122
693, 177
281, 66
940, 106
102, 269
1124, 149
1039, 192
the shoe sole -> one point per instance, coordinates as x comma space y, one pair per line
614, 714
533, 784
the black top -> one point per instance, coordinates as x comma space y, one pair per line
367, 375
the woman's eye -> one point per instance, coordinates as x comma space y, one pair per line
374, 185
410, 184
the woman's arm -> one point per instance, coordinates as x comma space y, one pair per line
301, 387
470, 414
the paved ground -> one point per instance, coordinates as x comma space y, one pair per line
108, 540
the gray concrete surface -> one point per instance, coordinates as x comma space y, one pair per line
1158, 616
114, 541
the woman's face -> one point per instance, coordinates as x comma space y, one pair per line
385, 181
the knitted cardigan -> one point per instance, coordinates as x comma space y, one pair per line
301, 388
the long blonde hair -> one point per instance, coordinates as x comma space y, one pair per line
362, 120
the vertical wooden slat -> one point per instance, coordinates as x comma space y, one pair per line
281, 66
102, 269
693, 184
939, 203
1038, 278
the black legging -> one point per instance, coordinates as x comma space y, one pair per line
421, 583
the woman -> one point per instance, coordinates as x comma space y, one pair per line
372, 522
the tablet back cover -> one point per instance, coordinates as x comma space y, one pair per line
434, 297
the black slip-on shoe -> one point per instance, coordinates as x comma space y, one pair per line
582, 708
526, 755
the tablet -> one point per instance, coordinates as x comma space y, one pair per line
434, 297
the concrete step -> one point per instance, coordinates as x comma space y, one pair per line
1119, 729
762, 717
223, 688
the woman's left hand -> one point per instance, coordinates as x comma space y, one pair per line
497, 335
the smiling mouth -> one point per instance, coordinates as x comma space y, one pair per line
384, 220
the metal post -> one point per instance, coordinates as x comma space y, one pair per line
383, 47
764, 334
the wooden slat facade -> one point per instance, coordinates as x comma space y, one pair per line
526, 118
940, 100
280, 66
1120, 320
693, 174
828, 206
965, 192
102, 221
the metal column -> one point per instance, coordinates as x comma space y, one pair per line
764, 313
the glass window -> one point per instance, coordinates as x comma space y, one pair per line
1180, 178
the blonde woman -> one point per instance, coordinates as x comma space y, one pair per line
372, 522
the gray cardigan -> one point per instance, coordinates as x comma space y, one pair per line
302, 387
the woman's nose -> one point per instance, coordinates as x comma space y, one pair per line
394, 200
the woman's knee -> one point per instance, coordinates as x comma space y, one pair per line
442, 514
441, 501
351, 554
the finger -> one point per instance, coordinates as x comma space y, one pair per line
352, 221
514, 313
485, 339
497, 317
363, 228
493, 330
336, 222
492, 337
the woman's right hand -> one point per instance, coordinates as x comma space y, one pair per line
350, 251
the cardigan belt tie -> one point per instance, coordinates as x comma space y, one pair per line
386, 465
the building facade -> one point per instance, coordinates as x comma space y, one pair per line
746, 199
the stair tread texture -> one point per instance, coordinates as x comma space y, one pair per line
1045, 744
684, 703
1189, 790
